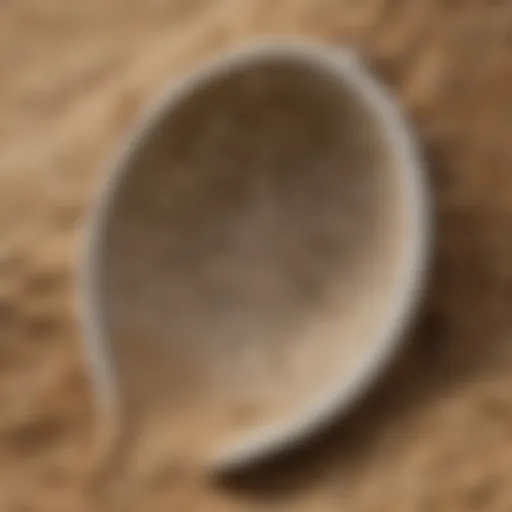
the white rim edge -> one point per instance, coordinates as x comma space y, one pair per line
346, 66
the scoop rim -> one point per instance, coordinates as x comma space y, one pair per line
344, 66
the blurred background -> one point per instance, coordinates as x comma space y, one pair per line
437, 434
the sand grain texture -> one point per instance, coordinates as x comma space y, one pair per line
438, 435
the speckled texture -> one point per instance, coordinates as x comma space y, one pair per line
249, 255
437, 435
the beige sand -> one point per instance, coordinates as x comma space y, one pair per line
75, 75
249, 256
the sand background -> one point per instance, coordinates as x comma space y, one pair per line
437, 434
